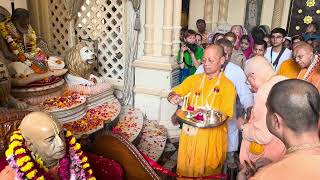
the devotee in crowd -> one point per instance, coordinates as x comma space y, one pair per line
267, 38
312, 30
182, 31
246, 44
189, 56
202, 151
309, 62
260, 48
18, 41
238, 30
298, 131
287, 42
244, 98
206, 36
277, 53
296, 38
237, 56
316, 44
199, 40
290, 68
257, 141
216, 37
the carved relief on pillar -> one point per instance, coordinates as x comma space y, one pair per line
277, 13
149, 28
223, 11
208, 13
167, 28
177, 9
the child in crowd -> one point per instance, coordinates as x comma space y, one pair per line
189, 56
267, 39
287, 42
260, 48
216, 37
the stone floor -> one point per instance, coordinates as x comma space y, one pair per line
169, 157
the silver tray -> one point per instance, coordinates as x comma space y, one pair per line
182, 118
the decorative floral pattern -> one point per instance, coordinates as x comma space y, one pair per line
310, 3
30, 166
307, 19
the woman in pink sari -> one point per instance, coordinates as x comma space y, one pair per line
246, 45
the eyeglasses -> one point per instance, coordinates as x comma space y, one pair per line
276, 37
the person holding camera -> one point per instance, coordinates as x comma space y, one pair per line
189, 56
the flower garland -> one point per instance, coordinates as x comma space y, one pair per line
27, 167
15, 41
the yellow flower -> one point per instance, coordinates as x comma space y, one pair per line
68, 133
22, 160
84, 159
31, 174
73, 140
90, 171
14, 144
9, 152
310, 3
307, 19
86, 165
16, 137
318, 11
20, 151
77, 147
93, 178
27, 167
40, 178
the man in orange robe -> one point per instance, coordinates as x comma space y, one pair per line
309, 62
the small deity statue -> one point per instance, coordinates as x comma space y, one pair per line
27, 62
41, 149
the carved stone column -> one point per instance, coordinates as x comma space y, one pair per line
223, 11
176, 26
277, 13
167, 28
208, 14
149, 28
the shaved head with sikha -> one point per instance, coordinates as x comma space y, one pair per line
44, 136
297, 104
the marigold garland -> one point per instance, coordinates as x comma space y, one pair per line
35, 169
15, 41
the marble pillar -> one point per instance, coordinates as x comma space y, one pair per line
177, 7
167, 28
148, 27
208, 14
277, 13
223, 11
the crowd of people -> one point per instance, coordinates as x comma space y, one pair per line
266, 86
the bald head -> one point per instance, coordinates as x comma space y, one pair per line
212, 60
218, 50
297, 102
305, 46
295, 44
38, 122
44, 136
303, 55
260, 67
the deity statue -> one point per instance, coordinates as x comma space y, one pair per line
27, 63
41, 149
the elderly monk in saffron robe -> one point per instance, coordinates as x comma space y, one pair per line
290, 68
309, 62
257, 141
298, 131
202, 152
